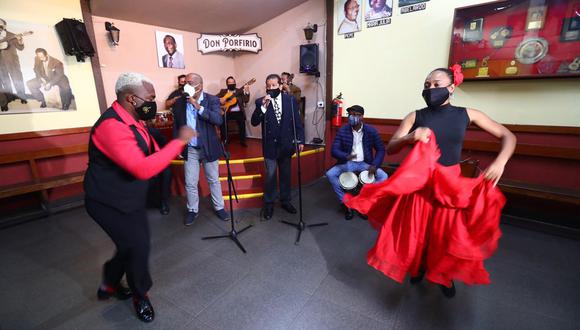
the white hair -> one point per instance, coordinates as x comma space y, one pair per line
130, 80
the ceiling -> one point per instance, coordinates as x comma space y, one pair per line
202, 16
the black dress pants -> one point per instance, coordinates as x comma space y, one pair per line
130, 233
281, 166
240, 119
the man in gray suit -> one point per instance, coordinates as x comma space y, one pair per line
200, 111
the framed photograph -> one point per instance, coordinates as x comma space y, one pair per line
473, 30
570, 29
35, 77
170, 51
348, 16
536, 18
378, 9
403, 3
517, 39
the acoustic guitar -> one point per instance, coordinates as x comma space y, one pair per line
229, 99
4, 42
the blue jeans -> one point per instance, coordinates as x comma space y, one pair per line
350, 166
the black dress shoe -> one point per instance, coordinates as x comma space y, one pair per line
448, 292
289, 208
267, 212
43, 104
417, 279
164, 209
348, 212
4, 108
23, 101
144, 310
121, 293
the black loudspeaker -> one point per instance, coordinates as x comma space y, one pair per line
74, 38
309, 59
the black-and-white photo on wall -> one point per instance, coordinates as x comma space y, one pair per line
32, 69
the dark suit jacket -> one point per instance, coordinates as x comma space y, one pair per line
55, 75
206, 124
277, 139
9, 56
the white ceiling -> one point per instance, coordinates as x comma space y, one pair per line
202, 16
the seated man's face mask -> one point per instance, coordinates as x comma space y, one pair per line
354, 120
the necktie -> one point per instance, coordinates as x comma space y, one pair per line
277, 111
170, 62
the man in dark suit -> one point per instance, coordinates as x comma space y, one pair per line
278, 113
10, 72
200, 111
236, 111
49, 72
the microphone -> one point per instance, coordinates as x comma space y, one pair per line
267, 101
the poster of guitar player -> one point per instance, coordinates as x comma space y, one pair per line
32, 69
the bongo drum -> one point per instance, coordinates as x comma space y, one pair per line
365, 178
349, 183
163, 120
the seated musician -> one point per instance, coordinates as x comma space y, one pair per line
233, 101
353, 149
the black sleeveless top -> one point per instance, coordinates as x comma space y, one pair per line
449, 123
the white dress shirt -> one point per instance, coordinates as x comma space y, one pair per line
357, 145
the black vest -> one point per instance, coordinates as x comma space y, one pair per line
108, 183
449, 124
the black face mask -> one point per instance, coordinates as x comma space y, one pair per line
231, 87
435, 97
273, 92
147, 110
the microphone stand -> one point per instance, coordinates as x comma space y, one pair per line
301, 225
233, 234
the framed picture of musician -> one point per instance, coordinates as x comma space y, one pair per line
348, 16
34, 78
170, 52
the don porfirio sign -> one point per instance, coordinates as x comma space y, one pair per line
209, 43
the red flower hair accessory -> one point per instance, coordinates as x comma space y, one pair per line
457, 74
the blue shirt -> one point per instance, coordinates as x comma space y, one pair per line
192, 114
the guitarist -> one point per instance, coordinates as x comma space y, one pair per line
10, 72
233, 101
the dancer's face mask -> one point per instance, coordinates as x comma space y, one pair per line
147, 110
435, 97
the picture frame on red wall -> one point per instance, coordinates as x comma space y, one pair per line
517, 39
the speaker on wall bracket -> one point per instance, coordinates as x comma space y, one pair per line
309, 59
75, 39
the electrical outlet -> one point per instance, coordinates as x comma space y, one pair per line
320, 104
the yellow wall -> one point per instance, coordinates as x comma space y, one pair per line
80, 75
383, 69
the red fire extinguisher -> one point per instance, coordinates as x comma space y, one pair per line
337, 111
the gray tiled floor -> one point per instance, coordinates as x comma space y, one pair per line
49, 270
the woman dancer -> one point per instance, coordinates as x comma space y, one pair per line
431, 221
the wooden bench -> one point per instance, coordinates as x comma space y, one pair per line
38, 184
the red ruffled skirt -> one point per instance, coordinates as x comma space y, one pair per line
431, 219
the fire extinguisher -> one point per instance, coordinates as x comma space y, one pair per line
337, 111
